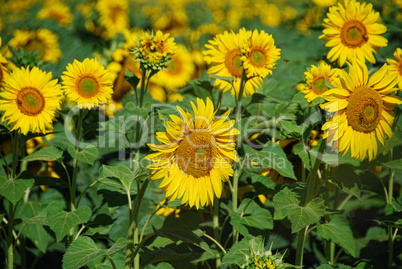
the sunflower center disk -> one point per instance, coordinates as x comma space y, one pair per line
319, 86
115, 12
34, 45
87, 87
400, 68
364, 109
195, 153
257, 58
30, 101
233, 63
354, 34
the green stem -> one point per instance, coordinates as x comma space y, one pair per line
389, 202
234, 198
14, 163
132, 241
300, 246
215, 221
73, 185
310, 192
75, 165
10, 238
217, 244
10, 247
111, 261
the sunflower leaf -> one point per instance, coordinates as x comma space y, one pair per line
45, 154
252, 219
14, 189
338, 231
33, 215
271, 156
395, 165
61, 222
240, 253
288, 204
122, 173
88, 155
83, 250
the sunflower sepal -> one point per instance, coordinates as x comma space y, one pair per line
26, 58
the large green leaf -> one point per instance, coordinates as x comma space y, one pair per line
252, 219
88, 155
288, 204
262, 184
14, 189
338, 231
122, 173
271, 156
239, 254
392, 220
61, 222
84, 250
33, 214
45, 154
181, 229
395, 165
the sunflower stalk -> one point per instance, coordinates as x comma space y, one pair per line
237, 172
133, 239
389, 203
307, 199
11, 209
215, 221
73, 185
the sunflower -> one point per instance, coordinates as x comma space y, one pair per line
57, 11
42, 39
154, 50
224, 58
316, 79
113, 16
177, 72
362, 108
351, 31
395, 66
29, 100
260, 54
88, 83
195, 156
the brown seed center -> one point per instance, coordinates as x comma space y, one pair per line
196, 152
364, 109
30, 101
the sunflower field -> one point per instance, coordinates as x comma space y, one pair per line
200, 134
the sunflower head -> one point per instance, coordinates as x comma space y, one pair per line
195, 156
56, 11
154, 51
113, 16
29, 100
362, 110
42, 40
177, 72
351, 31
88, 83
260, 54
224, 57
318, 78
